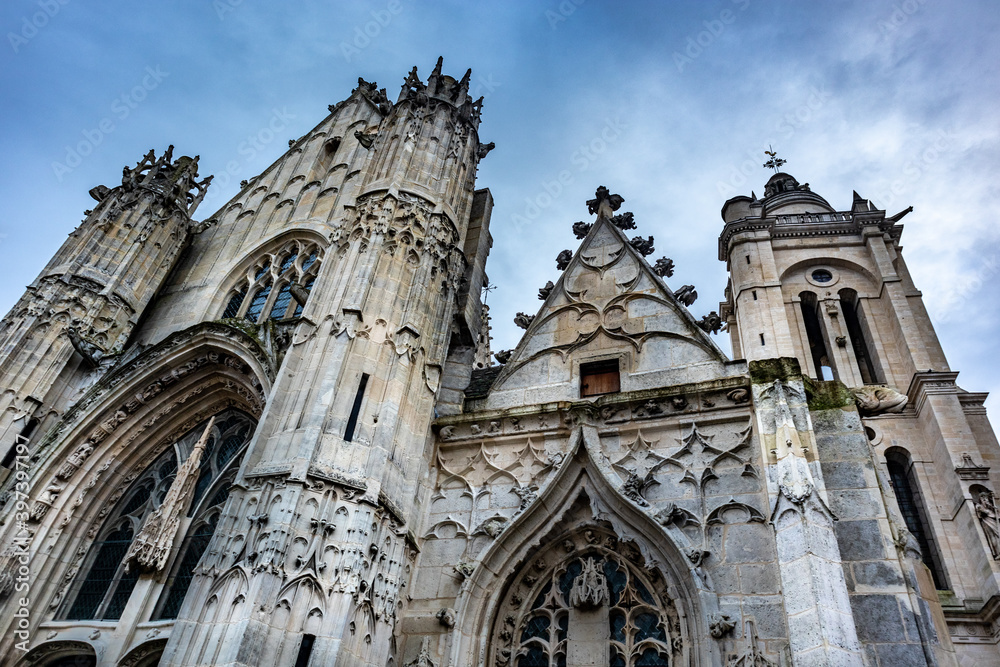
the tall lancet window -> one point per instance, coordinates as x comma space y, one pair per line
911, 506
588, 601
103, 587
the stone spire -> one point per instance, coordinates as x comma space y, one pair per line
151, 547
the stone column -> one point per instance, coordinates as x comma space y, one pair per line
820, 623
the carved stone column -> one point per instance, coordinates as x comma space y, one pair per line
820, 620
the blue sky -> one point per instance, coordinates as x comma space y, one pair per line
669, 104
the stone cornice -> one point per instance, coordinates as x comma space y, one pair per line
806, 225
926, 383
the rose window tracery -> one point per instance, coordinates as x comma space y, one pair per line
588, 601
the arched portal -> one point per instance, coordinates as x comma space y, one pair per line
584, 577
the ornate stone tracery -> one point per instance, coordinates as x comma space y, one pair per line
587, 593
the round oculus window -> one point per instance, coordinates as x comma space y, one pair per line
822, 276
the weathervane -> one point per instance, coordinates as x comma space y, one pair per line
774, 162
487, 288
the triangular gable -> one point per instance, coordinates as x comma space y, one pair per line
609, 290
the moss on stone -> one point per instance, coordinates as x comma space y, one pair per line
828, 394
766, 371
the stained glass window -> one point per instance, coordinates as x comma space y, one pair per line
570, 593
103, 587
254, 294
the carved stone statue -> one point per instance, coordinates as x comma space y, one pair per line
877, 399
986, 511
522, 320
643, 246
625, 221
89, 351
563, 259
720, 625
544, 292
686, 295
581, 229
503, 356
366, 140
590, 588
711, 323
664, 267
484, 149
299, 293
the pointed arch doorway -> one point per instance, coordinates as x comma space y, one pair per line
584, 578
588, 600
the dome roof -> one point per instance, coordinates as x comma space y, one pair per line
783, 194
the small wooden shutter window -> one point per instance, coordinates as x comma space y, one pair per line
600, 377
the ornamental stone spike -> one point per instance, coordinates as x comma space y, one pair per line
151, 547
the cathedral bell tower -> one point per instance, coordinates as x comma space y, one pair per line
76, 317
315, 544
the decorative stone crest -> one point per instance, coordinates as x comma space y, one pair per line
581, 229
710, 323
642, 246
544, 292
970, 470
624, 222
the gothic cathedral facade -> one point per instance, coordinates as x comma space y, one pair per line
275, 436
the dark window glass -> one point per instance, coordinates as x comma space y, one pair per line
196, 546
262, 270
822, 276
257, 305
308, 286
288, 261
233, 307
911, 507
110, 553
281, 302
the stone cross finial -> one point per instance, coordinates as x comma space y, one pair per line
604, 204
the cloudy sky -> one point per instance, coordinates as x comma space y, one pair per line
670, 104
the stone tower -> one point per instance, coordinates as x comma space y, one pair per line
831, 289
93, 292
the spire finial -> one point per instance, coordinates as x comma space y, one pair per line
774, 162
604, 204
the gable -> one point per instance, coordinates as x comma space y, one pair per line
608, 303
